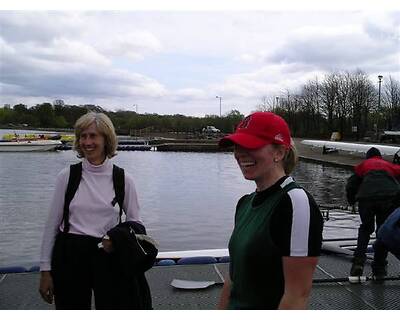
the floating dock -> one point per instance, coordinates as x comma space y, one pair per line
19, 291
189, 147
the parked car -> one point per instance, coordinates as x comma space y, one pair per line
211, 130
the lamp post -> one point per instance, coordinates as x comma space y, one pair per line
220, 102
379, 103
136, 107
379, 91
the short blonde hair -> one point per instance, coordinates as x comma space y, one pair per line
104, 126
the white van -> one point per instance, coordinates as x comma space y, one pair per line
211, 129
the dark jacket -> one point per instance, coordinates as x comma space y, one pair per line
389, 233
374, 185
374, 179
133, 254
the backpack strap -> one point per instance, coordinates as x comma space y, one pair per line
75, 175
119, 187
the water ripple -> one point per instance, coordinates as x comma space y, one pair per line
187, 199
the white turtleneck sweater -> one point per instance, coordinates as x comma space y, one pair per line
90, 211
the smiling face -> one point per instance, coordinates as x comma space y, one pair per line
92, 143
263, 166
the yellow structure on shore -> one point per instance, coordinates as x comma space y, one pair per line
65, 138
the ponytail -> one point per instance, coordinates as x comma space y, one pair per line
290, 159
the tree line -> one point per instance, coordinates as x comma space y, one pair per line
59, 116
347, 102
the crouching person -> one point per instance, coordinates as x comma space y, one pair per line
375, 187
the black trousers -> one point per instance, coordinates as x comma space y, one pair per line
79, 268
369, 212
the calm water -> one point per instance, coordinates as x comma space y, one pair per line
187, 199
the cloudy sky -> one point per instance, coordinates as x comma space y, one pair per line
174, 61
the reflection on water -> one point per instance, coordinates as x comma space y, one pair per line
325, 183
187, 199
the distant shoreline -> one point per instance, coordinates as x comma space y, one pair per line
36, 129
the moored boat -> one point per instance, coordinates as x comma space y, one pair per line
64, 138
361, 148
27, 146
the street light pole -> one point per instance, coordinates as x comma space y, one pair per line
220, 102
379, 92
379, 103
136, 106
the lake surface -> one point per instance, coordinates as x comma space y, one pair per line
187, 200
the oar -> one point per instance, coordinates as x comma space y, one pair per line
336, 249
339, 250
351, 279
343, 239
194, 285
335, 207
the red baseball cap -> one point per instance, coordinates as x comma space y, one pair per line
258, 130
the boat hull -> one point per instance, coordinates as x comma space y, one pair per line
352, 147
29, 146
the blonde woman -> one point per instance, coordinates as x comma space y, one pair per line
277, 237
71, 264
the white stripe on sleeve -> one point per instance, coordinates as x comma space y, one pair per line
300, 223
286, 182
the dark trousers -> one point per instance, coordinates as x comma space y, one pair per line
80, 268
369, 212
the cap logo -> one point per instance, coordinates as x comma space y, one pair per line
244, 123
279, 137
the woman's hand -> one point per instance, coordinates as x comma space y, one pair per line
107, 245
46, 288
225, 295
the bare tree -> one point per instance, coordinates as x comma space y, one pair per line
391, 102
361, 101
343, 110
266, 104
309, 105
289, 105
328, 94
341, 101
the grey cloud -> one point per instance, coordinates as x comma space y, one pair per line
27, 76
334, 52
38, 26
387, 30
41, 55
89, 83
372, 48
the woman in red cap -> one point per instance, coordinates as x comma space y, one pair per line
277, 237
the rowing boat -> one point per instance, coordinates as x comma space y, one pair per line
352, 147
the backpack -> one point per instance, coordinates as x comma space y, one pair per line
73, 184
